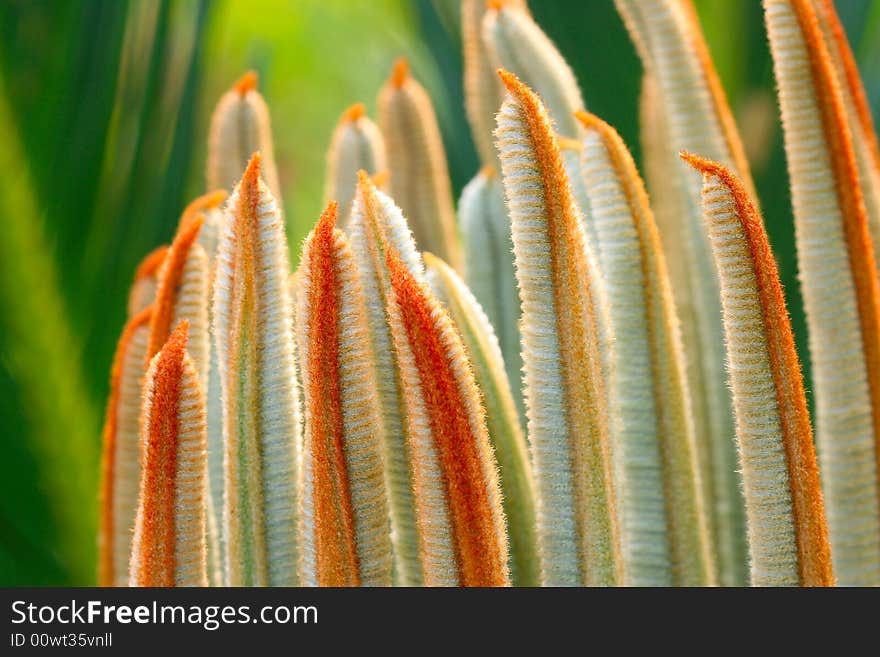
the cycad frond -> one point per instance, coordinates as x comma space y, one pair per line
121, 458
240, 127
377, 225
462, 535
858, 110
788, 537
343, 507
516, 43
693, 114
839, 284
664, 526
562, 335
488, 253
417, 164
168, 548
502, 419
356, 144
261, 417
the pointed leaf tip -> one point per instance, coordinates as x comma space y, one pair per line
353, 113
510, 80
150, 265
172, 271
251, 175
399, 73
247, 82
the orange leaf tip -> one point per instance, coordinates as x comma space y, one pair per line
399, 73
353, 113
150, 265
172, 271
251, 177
247, 82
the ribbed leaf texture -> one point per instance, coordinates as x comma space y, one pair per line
462, 534
240, 127
515, 42
502, 420
488, 256
143, 288
121, 457
417, 164
858, 113
182, 292
356, 144
788, 536
563, 325
839, 284
261, 418
664, 530
168, 548
690, 110
343, 504
377, 224
483, 92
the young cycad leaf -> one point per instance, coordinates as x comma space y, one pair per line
344, 512
664, 531
462, 537
788, 537
261, 426
356, 144
482, 89
143, 288
488, 260
240, 127
210, 208
562, 327
858, 111
121, 458
515, 42
417, 163
168, 548
182, 294
839, 285
183, 282
502, 420
691, 112
377, 224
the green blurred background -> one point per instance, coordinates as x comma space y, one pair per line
104, 106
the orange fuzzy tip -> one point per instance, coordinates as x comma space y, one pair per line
353, 113
327, 221
496, 5
399, 73
589, 120
169, 284
202, 203
247, 82
513, 83
251, 176
150, 265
